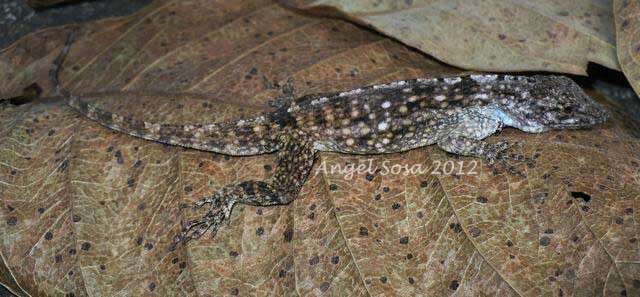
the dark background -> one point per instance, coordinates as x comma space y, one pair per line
18, 19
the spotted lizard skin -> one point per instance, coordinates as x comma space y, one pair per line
454, 113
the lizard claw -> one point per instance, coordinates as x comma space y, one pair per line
217, 213
495, 151
498, 152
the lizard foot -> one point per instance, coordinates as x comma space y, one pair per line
219, 212
496, 156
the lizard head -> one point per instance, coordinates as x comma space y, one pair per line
556, 102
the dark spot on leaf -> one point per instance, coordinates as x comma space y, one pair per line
628, 211
182, 265
509, 243
64, 165
369, 177
404, 240
137, 163
383, 279
12, 221
482, 199
585, 208
456, 227
411, 280
51, 132
420, 215
72, 251
311, 216
139, 240
282, 273
57, 258
385, 189
454, 285
188, 189
409, 256
85, 246
288, 235
131, 182
324, 286
48, 235
102, 267
377, 196
395, 206
333, 187
41, 210
267, 168
424, 184
152, 286
335, 259
364, 231
545, 241
313, 261
502, 36
119, 158
13, 172
142, 206
235, 291
259, 231
148, 246
548, 231
581, 195
475, 232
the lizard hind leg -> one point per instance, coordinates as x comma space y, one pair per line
295, 160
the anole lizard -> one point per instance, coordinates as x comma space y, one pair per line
454, 113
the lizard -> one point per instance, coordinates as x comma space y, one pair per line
455, 113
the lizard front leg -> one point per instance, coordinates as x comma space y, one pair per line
465, 137
294, 162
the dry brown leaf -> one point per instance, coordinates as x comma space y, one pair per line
90, 211
519, 35
628, 39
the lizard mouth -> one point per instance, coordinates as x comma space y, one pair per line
584, 120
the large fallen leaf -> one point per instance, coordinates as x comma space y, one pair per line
628, 39
493, 35
89, 211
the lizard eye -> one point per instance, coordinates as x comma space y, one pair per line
569, 109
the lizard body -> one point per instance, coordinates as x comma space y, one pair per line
454, 113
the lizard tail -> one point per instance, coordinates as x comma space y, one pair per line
54, 73
240, 138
